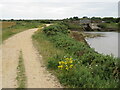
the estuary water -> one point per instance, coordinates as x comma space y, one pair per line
106, 45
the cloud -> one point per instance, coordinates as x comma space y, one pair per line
57, 9
59, 1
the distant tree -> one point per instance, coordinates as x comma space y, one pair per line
85, 17
45, 21
12, 20
75, 18
96, 18
3, 20
71, 18
109, 19
118, 20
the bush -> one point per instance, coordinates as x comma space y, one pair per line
102, 26
91, 69
53, 62
73, 26
54, 29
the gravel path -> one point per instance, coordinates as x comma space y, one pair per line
37, 75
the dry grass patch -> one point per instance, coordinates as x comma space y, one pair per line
6, 24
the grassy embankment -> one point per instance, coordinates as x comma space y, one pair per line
21, 77
109, 26
11, 28
74, 63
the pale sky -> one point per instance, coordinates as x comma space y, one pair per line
57, 9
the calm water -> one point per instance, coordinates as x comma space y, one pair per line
105, 45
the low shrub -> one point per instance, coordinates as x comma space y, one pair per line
81, 66
54, 29
73, 26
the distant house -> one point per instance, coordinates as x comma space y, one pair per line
85, 21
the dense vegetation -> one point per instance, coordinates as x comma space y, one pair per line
76, 64
104, 24
106, 19
108, 26
73, 26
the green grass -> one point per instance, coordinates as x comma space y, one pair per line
21, 77
90, 69
45, 47
109, 25
73, 26
19, 27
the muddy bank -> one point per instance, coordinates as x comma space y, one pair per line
80, 36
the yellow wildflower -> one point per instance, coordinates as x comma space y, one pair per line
60, 62
70, 58
60, 67
67, 68
71, 66
66, 59
65, 62
70, 61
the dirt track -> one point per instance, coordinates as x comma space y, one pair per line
0, 67
37, 76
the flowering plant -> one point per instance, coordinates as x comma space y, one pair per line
66, 64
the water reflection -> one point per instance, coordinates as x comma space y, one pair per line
105, 45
